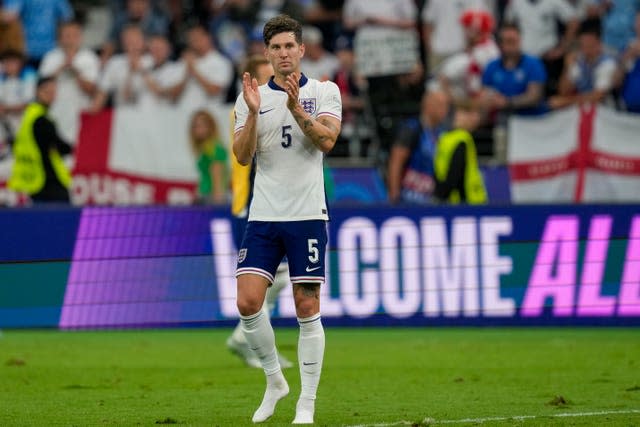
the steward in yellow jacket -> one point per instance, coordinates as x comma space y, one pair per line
38, 168
458, 177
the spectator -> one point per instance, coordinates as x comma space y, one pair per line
458, 177
76, 72
443, 34
11, 34
387, 54
138, 13
317, 63
354, 129
211, 158
461, 74
40, 19
327, 16
631, 80
618, 22
410, 170
515, 81
163, 75
205, 74
122, 76
231, 23
589, 75
17, 89
540, 35
39, 170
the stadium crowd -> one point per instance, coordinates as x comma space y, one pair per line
495, 57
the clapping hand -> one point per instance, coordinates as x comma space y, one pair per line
250, 92
292, 87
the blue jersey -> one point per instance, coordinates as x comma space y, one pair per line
514, 81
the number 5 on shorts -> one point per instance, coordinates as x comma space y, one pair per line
314, 255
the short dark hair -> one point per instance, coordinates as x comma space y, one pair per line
12, 54
281, 24
510, 26
590, 26
43, 80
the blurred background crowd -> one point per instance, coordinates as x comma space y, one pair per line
493, 57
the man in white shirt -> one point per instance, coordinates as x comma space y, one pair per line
317, 62
17, 89
76, 71
123, 73
162, 76
460, 75
286, 127
443, 35
538, 24
589, 75
205, 73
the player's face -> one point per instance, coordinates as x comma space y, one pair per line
284, 53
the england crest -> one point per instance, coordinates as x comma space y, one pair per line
308, 104
242, 254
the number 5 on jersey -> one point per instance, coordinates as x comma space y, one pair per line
286, 136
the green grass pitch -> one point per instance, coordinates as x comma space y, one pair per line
385, 377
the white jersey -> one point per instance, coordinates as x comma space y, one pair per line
289, 180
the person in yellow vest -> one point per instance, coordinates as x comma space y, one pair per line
38, 168
241, 187
458, 177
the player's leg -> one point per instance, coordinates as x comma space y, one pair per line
310, 348
306, 252
259, 334
257, 264
237, 343
280, 282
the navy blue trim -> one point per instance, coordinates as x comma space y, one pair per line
273, 85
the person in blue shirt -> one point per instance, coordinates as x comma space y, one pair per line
617, 22
40, 19
410, 173
631, 72
515, 81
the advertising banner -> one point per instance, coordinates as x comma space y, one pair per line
159, 266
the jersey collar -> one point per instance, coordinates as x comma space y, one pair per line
273, 85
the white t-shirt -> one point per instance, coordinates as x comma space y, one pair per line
16, 91
464, 70
447, 37
537, 21
289, 181
217, 69
323, 68
601, 77
166, 75
115, 76
70, 99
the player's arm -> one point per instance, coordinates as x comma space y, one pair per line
322, 131
245, 140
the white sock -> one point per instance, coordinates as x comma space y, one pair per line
259, 334
310, 356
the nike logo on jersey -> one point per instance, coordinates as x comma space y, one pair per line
309, 269
266, 111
